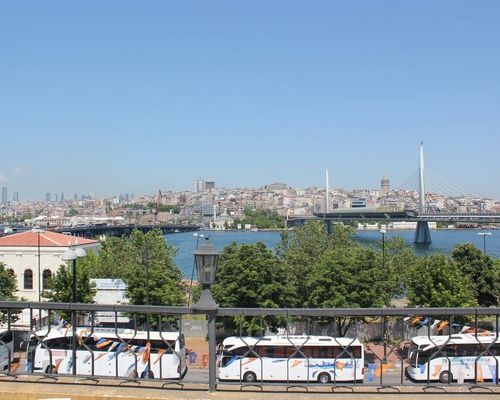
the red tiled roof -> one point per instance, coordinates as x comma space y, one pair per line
47, 239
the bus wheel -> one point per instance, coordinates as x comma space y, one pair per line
250, 377
50, 369
148, 375
324, 378
445, 377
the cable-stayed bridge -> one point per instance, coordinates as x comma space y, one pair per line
428, 198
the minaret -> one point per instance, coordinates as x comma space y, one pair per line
327, 189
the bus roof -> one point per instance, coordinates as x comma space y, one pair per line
110, 333
280, 340
464, 338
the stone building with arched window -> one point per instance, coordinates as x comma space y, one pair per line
35, 256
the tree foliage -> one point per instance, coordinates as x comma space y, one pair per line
481, 273
261, 218
8, 288
436, 281
250, 275
8, 285
61, 285
151, 277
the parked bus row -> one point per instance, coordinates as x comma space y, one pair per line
322, 359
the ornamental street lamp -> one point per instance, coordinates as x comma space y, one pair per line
484, 234
207, 260
197, 236
72, 255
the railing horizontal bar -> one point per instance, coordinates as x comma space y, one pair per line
336, 312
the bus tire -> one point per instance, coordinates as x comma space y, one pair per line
147, 375
324, 378
249, 377
51, 369
445, 377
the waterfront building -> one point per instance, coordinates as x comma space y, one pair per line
33, 257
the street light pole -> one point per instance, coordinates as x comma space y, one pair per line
383, 232
484, 234
207, 260
190, 295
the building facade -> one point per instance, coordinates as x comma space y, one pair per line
35, 256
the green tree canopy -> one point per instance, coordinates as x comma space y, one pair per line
150, 266
436, 281
306, 246
262, 218
8, 284
61, 284
481, 273
250, 275
8, 288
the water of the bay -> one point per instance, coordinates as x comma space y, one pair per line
443, 241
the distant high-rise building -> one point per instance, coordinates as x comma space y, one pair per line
384, 185
62, 196
75, 196
15, 197
199, 185
209, 185
4, 196
48, 197
56, 196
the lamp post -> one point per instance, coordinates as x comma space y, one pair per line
484, 234
383, 232
72, 255
197, 236
207, 260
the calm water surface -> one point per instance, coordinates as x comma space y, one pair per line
443, 241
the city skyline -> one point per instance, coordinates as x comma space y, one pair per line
135, 99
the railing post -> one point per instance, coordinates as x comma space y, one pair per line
212, 367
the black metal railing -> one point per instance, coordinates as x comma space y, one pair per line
258, 347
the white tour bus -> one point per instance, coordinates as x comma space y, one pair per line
6, 349
321, 359
129, 354
456, 360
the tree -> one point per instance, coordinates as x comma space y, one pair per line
349, 277
8, 284
152, 278
61, 285
8, 287
481, 272
113, 261
436, 281
250, 275
304, 247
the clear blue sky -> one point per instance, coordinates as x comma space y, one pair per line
119, 96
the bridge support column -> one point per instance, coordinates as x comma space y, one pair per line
422, 233
328, 224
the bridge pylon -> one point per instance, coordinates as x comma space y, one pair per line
422, 233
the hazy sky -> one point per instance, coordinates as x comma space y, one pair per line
119, 96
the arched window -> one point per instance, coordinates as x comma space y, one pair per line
47, 275
28, 279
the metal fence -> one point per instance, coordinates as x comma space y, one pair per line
309, 348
